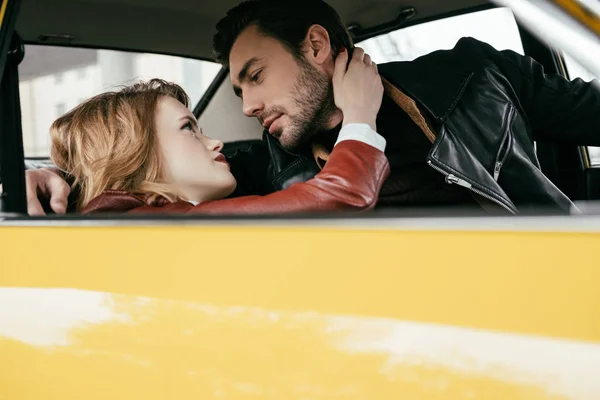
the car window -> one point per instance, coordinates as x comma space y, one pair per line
53, 80
576, 70
494, 26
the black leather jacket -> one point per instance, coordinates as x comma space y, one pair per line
486, 108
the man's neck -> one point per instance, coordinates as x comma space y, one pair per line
329, 137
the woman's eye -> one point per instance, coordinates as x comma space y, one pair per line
188, 126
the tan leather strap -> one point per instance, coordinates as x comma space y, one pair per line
320, 154
409, 106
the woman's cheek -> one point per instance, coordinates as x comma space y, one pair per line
178, 161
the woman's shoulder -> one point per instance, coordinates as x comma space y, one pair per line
115, 201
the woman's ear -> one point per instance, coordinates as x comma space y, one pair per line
318, 45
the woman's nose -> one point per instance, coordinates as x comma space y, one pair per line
215, 145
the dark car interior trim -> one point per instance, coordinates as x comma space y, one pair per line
211, 91
12, 172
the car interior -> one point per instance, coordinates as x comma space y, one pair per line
184, 28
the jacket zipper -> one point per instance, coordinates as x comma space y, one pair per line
499, 164
497, 168
453, 179
504, 149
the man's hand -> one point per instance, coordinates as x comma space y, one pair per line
358, 90
47, 184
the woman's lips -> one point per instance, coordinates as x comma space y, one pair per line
221, 158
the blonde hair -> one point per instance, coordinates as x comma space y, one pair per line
109, 142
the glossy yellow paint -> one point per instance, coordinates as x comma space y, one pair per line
581, 14
297, 312
3, 11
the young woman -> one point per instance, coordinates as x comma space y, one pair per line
140, 150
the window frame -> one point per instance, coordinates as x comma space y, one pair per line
13, 197
201, 106
210, 92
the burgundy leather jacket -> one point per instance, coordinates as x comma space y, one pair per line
350, 181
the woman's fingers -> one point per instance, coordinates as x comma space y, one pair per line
358, 54
367, 59
340, 65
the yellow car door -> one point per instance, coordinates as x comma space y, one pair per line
294, 308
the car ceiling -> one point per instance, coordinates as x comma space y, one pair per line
179, 27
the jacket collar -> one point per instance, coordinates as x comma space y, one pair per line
436, 89
118, 201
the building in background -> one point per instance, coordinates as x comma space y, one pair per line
53, 80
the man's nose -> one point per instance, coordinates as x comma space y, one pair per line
251, 106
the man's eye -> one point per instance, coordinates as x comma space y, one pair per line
256, 76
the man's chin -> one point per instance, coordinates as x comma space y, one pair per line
291, 140
286, 141
289, 143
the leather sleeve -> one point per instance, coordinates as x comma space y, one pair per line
558, 110
350, 181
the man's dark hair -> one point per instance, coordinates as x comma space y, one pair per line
284, 20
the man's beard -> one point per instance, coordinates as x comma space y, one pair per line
313, 97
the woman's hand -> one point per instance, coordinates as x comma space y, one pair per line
357, 90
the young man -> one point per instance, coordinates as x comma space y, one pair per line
459, 124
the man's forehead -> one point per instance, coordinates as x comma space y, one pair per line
251, 44
247, 44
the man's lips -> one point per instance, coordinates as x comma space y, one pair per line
267, 123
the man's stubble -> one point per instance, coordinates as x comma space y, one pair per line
314, 100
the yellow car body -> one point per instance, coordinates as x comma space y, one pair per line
345, 309
361, 308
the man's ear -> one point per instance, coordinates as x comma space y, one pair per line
317, 45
